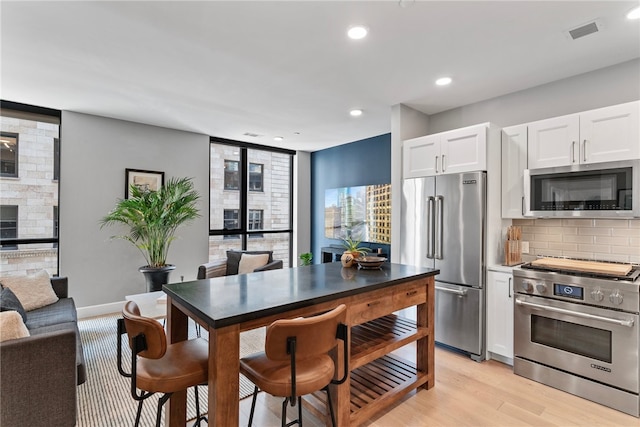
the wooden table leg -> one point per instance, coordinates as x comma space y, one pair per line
177, 330
224, 376
425, 347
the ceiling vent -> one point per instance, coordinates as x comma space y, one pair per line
252, 135
584, 30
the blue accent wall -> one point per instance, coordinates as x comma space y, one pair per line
364, 162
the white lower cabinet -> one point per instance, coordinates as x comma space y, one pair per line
500, 316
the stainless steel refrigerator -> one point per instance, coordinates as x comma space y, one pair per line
443, 226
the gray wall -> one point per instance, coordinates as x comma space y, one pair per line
95, 151
607, 86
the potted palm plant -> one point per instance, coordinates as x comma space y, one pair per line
152, 218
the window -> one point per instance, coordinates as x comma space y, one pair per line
254, 217
255, 177
9, 154
255, 222
231, 175
9, 225
30, 188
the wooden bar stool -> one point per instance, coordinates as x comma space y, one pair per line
296, 360
157, 367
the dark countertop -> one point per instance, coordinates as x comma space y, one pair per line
229, 300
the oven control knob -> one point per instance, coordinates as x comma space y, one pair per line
597, 295
616, 297
526, 286
541, 288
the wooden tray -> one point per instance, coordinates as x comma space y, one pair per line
585, 266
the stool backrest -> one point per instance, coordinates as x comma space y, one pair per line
137, 325
314, 335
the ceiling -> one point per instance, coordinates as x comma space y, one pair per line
287, 68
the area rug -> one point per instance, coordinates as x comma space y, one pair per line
105, 398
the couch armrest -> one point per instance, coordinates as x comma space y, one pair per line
39, 380
212, 269
275, 265
60, 286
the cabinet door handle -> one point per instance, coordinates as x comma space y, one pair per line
411, 293
373, 304
443, 164
437, 164
509, 286
584, 150
522, 205
573, 151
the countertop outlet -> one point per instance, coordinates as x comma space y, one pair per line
525, 247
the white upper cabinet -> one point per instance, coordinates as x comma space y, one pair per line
602, 135
419, 156
610, 134
553, 142
460, 150
464, 150
514, 162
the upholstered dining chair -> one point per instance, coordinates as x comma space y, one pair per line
296, 360
235, 264
158, 367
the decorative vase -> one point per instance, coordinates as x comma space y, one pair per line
347, 259
156, 276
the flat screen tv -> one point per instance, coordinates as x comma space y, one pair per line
362, 213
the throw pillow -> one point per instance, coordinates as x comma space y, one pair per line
9, 302
33, 291
12, 326
233, 259
249, 262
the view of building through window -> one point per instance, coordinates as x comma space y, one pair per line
29, 170
253, 211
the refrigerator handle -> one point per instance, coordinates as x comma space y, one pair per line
439, 227
430, 223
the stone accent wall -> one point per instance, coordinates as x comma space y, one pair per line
599, 239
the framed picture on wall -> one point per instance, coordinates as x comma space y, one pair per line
145, 180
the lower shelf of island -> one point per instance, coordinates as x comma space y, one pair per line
378, 379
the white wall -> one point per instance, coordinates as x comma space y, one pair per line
95, 151
601, 88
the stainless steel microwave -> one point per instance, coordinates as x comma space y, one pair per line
598, 190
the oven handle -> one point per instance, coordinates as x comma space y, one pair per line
628, 323
461, 293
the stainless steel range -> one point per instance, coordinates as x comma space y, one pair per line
578, 331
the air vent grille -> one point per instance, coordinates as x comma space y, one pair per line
584, 30
252, 135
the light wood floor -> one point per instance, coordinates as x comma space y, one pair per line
468, 393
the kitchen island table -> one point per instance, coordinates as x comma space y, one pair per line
229, 305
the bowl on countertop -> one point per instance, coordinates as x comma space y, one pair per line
370, 262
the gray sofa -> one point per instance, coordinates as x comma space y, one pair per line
229, 266
40, 373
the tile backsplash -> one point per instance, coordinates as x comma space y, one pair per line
597, 239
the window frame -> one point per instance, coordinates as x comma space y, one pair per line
261, 189
9, 247
227, 186
243, 232
44, 113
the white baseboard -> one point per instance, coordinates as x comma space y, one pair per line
100, 309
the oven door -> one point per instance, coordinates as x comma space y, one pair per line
595, 343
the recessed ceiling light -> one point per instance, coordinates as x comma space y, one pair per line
443, 81
634, 14
357, 32
355, 113
278, 138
